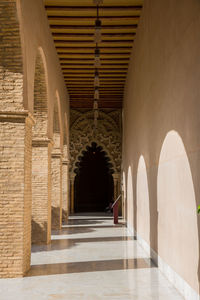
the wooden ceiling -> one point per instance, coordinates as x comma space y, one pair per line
72, 24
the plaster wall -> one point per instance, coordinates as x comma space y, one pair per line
161, 96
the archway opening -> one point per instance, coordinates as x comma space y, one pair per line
93, 182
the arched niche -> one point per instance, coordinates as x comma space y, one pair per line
130, 199
177, 217
40, 98
142, 194
57, 124
124, 198
40, 155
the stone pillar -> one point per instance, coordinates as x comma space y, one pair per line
56, 206
15, 192
65, 189
72, 194
41, 191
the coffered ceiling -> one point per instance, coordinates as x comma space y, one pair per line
72, 23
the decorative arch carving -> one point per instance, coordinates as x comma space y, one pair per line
107, 135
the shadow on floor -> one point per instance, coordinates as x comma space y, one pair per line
89, 266
85, 221
73, 230
69, 243
82, 229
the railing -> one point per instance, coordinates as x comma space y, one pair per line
115, 208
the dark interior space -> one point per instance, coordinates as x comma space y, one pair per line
93, 182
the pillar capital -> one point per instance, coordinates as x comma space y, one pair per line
56, 153
65, 162
116, 176
16, 116
72, 176
42, 142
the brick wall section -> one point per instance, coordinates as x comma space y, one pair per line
27, 195
41, 216
11, 68
15, 194
56, 209
65, 181
65, 190
49, 192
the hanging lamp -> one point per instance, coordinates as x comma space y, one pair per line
96, 78
97, 62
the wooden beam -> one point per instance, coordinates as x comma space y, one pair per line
61, 49
82, 18
90, 41
86, 104
79, 27
88, 97
77, 35
67, 65
92, 72
93, 69
91, 60
68, 8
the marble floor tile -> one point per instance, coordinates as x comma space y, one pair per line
90, 259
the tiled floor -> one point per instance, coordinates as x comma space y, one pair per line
90, 259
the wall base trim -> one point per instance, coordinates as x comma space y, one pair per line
178, 282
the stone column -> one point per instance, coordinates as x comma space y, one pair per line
15, 192
65, 189
56, 206
72, 193
41, 191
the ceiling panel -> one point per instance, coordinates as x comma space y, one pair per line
72, 24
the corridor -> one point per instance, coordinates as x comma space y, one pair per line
90, 259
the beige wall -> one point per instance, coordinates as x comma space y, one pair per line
162, 123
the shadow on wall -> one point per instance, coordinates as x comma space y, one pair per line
166, 210
177, 216
130, 201
38, 232
55, 217
142, 192
64, 216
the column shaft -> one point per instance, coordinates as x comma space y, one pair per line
56, 208
15, 193
41, 187
65, 188
72, 195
